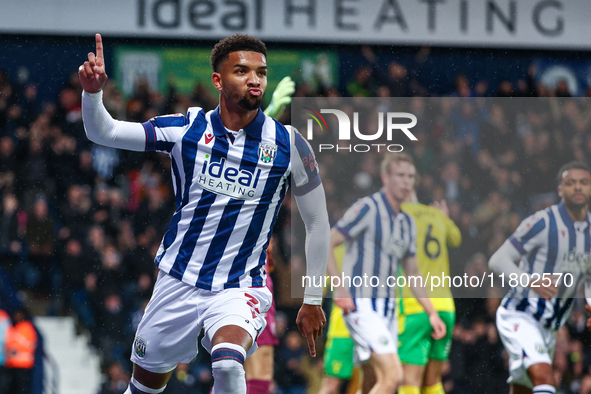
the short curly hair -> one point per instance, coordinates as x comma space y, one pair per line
573, 165
235, 43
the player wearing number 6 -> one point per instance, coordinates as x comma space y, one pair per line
554, 240
423, 356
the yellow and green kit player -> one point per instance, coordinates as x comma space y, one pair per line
338, 353
422, 356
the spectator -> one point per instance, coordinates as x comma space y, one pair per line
7, 164
33, 171
21, 342
5, 324
10, 240
362, 84
84, 171
75, 212
113, 332
41, 238
562, 89
118, 379
291, 377
76, 264
396, 79
462, 87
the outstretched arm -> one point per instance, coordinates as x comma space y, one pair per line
311, 201
312, 207
100, 127
411, 269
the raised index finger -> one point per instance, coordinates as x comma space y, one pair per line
99, 45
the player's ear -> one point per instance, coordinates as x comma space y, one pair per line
216, 79
560, 191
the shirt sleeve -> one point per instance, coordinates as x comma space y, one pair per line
312, 207
304, 168
162, 132
356, 220
453, 235
529, 234
505, 260
157, 134
102, 129
412, 246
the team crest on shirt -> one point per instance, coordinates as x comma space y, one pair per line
540, 349
383, 340
267, 152
139, 346
396, 247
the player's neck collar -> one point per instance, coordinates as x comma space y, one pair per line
389, 207
253, 129
566, 218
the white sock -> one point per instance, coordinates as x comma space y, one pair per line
544, 389
136, 387
227, 366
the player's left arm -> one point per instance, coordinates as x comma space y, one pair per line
411, 269
453, 235
311, 202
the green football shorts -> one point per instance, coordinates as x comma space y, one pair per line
338, 358
416, 346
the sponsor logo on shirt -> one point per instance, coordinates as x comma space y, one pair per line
576, 262
396, 247
221, 178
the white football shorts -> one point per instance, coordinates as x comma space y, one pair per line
177, 312
526, 341
371, 331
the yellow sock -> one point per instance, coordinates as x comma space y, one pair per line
435, 389
409, 390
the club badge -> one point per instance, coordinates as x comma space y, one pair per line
267, 152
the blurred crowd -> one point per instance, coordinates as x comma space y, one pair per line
80, 223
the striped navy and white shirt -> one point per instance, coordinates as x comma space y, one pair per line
378, 239
228, 189
551, 242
